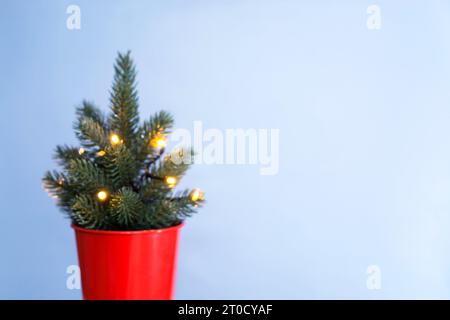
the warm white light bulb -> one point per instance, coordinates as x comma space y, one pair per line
159, 141
101, 153
102, 195
171, 181
115, 139
196, 195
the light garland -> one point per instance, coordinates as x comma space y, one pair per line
196, 195
115, 139
102, 195
159, 141
171, 181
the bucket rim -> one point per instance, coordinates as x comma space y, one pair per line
126, 232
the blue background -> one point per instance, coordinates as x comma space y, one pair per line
363, 115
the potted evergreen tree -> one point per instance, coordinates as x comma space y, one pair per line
118, 190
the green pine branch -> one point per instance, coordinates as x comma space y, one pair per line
87, 174
87, 212
172, 165
124, 100
159, 125
175, 164
89, 110
64, 154
120, 165
126, 208
90, 127
171, 210
61, 188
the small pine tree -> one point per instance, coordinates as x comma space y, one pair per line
120, 179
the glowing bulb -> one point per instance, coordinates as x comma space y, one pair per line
81, 151
102, 195
171, 181
101, 153
196, 195
158, 142
115, 139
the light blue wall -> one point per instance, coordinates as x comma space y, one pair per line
363, 115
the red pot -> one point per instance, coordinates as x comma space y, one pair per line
127, 265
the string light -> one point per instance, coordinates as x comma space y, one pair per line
115, 139
101, 153
81, 151
102, 195
171, 181
196, 195
159, 141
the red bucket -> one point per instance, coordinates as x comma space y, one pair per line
127, 265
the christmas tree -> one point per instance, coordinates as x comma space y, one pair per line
120, 177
